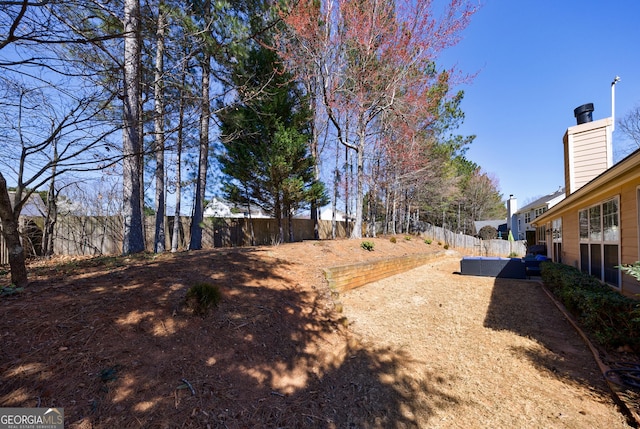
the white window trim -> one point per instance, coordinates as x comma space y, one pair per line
602, 241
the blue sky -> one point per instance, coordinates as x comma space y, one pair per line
536, 61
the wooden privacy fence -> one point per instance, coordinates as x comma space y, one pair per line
235, 232
474, 245
97, 235
88, 235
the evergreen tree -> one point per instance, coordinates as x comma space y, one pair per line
265, 137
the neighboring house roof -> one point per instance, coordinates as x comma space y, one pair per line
628, 169
547, 201
34, 207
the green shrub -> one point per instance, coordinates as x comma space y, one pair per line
367, 245
407, 237
610, 317
202, 296
446, 247
427, 241
10, 290
392, 239
513, 255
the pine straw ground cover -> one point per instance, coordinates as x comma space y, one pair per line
110, 340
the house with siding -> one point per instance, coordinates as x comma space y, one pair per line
522, 220
595, 228
223, 209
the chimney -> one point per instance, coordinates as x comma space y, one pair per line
587, 148
583, 113
512, 219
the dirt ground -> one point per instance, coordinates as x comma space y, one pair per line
110, 340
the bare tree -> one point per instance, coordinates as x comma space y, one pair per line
52, 125
629, 125
380, 54
42, 141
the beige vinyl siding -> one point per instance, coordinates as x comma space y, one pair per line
589, 155
570, 240
628, 218
620, 181
587, 152
629, 234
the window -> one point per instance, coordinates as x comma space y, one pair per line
595, 225
527, 217
540, 211
541, 234
583, 221
600, 241
556, 238
610, 226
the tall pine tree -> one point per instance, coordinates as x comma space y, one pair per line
265, 135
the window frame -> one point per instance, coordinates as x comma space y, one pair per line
556, 239
594, 240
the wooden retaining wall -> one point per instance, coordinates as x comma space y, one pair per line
345, 277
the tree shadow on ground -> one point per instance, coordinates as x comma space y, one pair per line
116, 348
524, 308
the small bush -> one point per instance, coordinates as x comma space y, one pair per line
427, 241
10, 290
610, 317
513, 255
488, 232
367, 245
392, 239
202, 296
407, 237
446, 247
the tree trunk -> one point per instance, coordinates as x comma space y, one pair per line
198, 211
334, 202
9, 218
347, 182
175, 239
50, 219
133, 238
290, 216
278, 215
160, 237
387, 197
357, 225
51, 216
314, 153
394, 207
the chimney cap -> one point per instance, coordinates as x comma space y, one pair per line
583, 113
